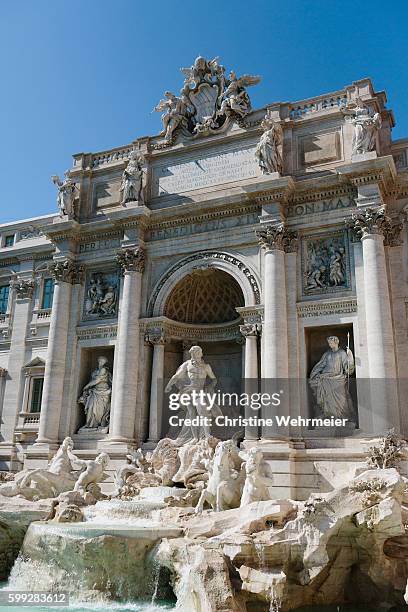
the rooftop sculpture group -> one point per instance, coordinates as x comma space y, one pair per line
208, 100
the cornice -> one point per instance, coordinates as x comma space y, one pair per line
202, 217
380, 170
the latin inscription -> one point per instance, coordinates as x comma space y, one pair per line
99, 332
206, 226
310, 208
99, 245
205, 172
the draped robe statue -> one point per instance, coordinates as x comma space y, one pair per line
328, 380
96, 398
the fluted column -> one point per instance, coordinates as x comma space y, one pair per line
65, 273
122, 419
156, 388
250, 333
275, 240
371, 226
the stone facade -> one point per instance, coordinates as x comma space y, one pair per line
256, 262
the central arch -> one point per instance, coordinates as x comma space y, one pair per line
245, 277
204, 297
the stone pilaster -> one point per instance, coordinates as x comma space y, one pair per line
156, 388
22, 288
122, 420
371, 226
66, 273
275, 239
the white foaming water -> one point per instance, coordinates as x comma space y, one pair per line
140, 512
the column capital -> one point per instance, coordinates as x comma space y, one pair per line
277, 236
66, 271
373, 221
23, 287
249, 330
155, 338
131, 260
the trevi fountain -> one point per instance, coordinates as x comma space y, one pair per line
203, 364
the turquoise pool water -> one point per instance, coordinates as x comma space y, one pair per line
102, 607
163, 607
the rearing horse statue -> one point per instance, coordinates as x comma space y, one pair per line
225, 483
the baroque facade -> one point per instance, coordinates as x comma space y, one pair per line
255, 234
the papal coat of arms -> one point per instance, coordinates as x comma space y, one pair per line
208, 101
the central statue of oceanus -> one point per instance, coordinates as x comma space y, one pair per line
192, 377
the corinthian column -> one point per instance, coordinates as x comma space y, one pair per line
250, 333
371, 226
275, 240
66, 273
123, 411
156, 388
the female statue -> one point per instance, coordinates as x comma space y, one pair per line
366, 127
269, 149
96, 397
132, 180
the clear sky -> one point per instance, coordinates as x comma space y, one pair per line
82, 75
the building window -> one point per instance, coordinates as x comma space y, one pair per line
48, 293
9, 241
4, 297
36, 394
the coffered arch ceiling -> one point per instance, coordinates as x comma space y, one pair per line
206, 296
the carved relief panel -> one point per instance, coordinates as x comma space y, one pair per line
101, 295
325, 264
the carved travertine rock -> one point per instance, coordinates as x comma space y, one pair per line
388, 452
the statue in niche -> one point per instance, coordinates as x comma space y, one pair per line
66, 195
132, 188
269, 149
101, 300
175, 113
96, 398
366, 126
329, 381
192, 376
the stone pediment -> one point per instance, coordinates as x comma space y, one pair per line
37, 362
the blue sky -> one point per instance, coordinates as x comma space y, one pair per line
82, 75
